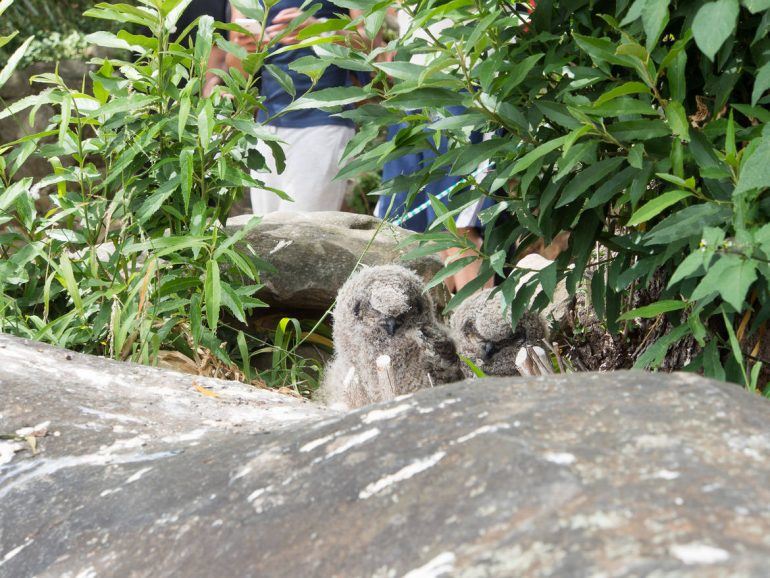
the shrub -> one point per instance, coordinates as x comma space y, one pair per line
641, 127
58, 27
132, 257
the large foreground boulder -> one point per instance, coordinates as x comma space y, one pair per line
315, 253
624, 474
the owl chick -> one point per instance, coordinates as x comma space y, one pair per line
483, 333
387, 340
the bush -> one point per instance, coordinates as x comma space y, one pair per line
133, 257
58, 27
641, 127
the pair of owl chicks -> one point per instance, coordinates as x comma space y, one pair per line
389, 342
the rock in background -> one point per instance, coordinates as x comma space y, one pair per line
315, 253
623, 474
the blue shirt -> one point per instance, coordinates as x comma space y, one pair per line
276, 98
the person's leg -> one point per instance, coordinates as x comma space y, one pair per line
312, 161
471, 271
264, 201
313, 157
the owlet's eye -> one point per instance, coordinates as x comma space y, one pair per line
357, 309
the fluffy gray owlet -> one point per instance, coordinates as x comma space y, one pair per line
483, 333
387, 340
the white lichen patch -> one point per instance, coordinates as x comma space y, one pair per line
560, 458
310, 446
448, 402
353, 441
597, 520
257, 493
137, 475
485, 429
383, 414
244, 471
441, 565
403, 474
695, 553
655, 441
8, 449
12, 553
282, 244
108, 416
665, 475
39, 430
190, 436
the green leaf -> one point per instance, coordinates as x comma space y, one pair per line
713, 24
687, 222
155, 201
13, 61
427, 97
588, 177
634, 12
69, 282
4, 5
623, 90
473, 367
653, 310
283, 78
524, 162
730, 276
654, 355
636, 155
245, 357
547, 278
687, 268
233, 302
330, 97
497, 261
519, 72
184, 113
451, 269
206, 124
735, 346
175, 13
677, 120
654, 20
761, 83
186, 176
755, 6
755, 172
656, 206
212, 290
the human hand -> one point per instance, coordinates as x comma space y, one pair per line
282, 21
246, 41
249, 41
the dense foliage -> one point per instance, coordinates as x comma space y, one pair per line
57, 27
640, 126
132, 258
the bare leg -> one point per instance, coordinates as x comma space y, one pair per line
470, 272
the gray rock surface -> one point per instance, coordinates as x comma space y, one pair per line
314, 253
624, 474
107, 398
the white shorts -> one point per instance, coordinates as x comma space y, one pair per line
312, 161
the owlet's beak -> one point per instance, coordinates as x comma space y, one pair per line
391, 324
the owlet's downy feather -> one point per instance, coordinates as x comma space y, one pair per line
483, 333
387, 340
